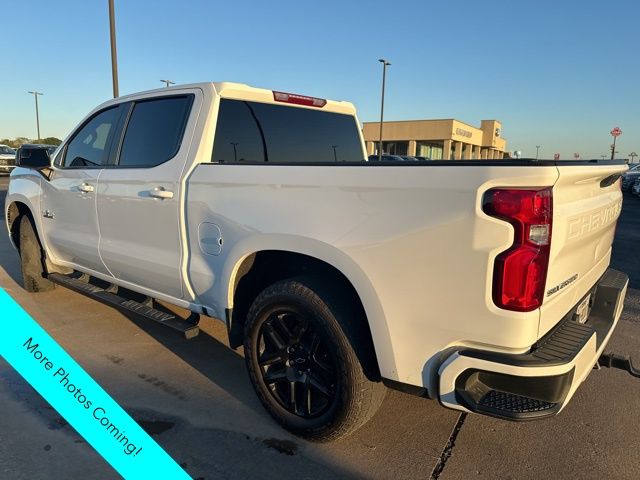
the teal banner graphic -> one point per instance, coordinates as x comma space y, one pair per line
79, 399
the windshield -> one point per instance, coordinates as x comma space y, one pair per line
7, 150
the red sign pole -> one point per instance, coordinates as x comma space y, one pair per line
615, 133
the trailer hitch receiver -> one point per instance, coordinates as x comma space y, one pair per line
611, 360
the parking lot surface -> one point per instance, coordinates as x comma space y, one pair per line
195, 398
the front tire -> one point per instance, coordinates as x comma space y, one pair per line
31, 259
301, 363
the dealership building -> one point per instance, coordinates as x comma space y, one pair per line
447, 139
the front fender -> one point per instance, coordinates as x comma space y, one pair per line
25, 187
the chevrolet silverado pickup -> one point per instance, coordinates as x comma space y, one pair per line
482, 284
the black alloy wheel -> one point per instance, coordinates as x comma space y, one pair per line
296, 365
299, 351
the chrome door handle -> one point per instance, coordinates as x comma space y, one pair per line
85, 187
160, 192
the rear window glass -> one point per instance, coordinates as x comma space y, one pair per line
251, 132
154, 131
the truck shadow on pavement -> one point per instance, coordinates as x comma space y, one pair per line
398, 435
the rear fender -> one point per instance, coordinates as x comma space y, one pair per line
325, 253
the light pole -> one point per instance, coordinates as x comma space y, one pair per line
537, 151
35, 94
168, 82
114, 54
633, 155
235, 152
385, 64
335, 155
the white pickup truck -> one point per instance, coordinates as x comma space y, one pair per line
482, 284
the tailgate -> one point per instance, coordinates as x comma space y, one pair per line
586, 205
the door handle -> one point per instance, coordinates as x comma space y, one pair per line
160, 192
85, 187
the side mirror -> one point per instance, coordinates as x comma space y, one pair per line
33, 158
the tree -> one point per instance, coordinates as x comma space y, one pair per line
51, 141
16, 142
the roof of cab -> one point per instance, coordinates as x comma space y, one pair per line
241, 91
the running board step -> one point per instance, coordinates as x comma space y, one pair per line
187, 327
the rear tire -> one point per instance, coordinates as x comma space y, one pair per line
301, 363
31, 259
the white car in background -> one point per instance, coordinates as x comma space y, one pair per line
7, 158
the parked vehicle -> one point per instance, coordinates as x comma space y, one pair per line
7, 158
629, 178
407, 158
484, 286
386, 158
423, 159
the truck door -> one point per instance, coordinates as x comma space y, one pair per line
138, 201
68, 202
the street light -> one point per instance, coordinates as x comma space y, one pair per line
633, 155
114, 54
35, 94
235, 151
335, 154
537, 150
168, 82
385, 64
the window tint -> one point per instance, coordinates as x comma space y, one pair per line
260, 132
90, 146
154, 131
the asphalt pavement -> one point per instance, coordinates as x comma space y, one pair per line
195, 398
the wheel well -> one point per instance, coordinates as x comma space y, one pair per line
261, 269
15, 211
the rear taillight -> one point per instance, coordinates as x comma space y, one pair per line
299, 99
519, 273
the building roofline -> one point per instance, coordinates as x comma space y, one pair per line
435, 120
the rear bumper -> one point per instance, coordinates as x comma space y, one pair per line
540, 383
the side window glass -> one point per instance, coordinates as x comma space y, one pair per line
238, 134
154, 131
90, 146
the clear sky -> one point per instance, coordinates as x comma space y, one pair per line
560, 74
